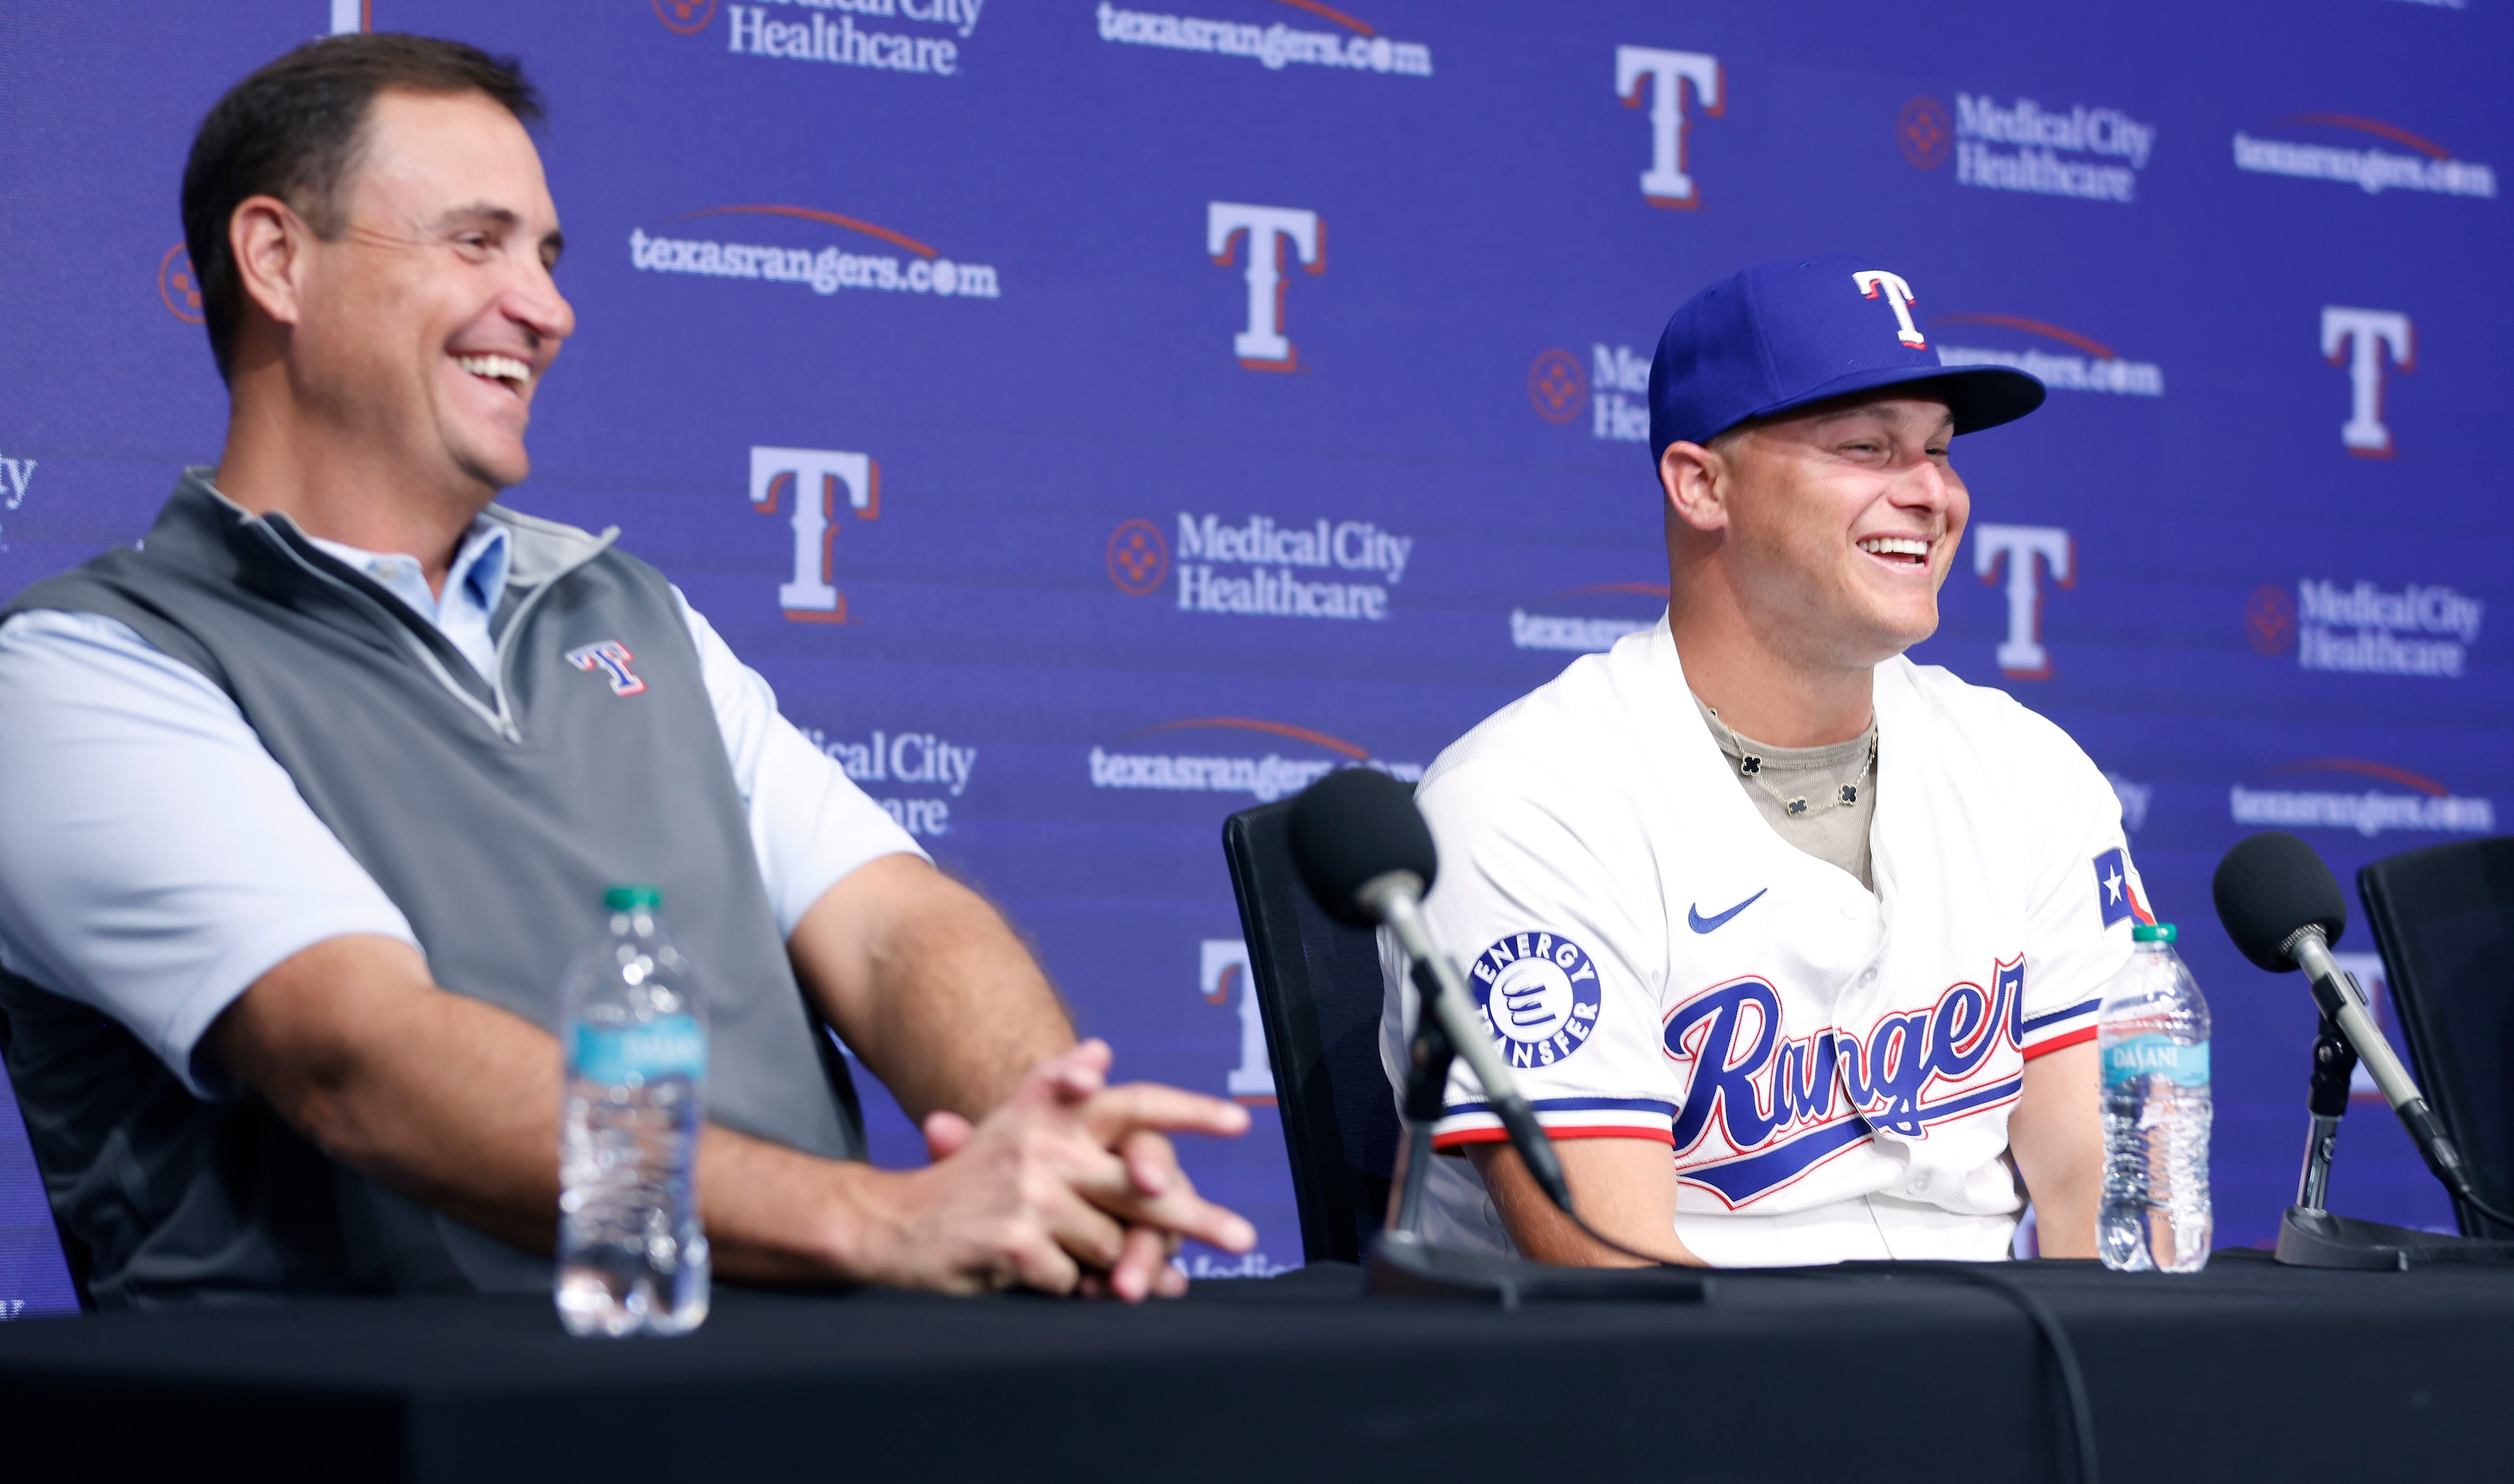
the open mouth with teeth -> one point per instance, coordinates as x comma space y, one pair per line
504, 370
1897, 550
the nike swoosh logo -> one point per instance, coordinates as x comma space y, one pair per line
1701, 924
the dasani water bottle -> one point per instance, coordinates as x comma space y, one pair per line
2154, 1052
631, 1255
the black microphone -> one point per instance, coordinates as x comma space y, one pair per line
1365, 854
2282, 908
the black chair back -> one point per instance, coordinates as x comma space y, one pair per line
1318, 993
2444, 919
20, 1152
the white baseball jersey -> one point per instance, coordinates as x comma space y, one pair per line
1833, 1069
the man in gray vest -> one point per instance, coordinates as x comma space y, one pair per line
314, 792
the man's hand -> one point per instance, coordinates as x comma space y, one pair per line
1070, 1185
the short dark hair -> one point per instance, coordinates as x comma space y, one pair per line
293, 130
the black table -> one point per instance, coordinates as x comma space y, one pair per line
2247, 1371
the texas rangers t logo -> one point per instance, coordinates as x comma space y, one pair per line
611, 658
1898, 293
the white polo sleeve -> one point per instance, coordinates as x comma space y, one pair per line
156, 859
2085, 895
810, 825
1564, 975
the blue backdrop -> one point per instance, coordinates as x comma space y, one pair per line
1094, 421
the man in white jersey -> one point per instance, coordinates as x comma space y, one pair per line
1794, 945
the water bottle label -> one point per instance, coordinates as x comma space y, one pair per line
668, 1046
2155, 1055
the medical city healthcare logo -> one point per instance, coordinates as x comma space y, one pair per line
2425, 807
1228, 763
1255, 569
2084, 364
2421, 631
178, 286
16, 475
926, 273
2428, 167
685, 18
1672, 79
1614, 387
1357, 48
934, 768
2085, 153
766, 30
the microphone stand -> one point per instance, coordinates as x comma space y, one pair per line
2311, 1236
1401, 1263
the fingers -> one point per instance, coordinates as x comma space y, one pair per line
1146, 1255
1077, 1226
1150, 1105
1069, 1077
1150, 1161
946, 1133
1176, 1211
1171, 1283
1040, 1263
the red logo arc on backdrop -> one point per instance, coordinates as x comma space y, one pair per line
1925, 132
1557, 385
1658, 590
1330, 13
2365, 768
2373, 126
808, 214
1252, 724
180, 285
2092, 347
686, 18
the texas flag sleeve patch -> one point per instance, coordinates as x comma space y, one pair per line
2116, 890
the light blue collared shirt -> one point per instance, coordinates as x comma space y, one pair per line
473, 587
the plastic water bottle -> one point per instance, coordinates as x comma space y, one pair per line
632, 1258
2154, 1052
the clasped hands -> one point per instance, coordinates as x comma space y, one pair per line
1071, 1186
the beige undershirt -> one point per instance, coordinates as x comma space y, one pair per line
1835, 833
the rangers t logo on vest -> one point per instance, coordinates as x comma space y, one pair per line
611, 658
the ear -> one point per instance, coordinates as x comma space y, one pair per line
270, 245
1698, 482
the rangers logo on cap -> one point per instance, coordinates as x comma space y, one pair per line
1537, 994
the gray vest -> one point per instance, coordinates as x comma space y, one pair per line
493, 814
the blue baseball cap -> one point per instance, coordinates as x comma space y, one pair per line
1782, 335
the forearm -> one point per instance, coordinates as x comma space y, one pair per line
449, 1099
456, 1104
1624, 1187
928, 986
2056, 1136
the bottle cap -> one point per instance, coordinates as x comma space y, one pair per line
629, 898
2152, 931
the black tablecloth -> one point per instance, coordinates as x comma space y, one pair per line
2247, 1371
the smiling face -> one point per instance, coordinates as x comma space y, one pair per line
424, 325
1842, 522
